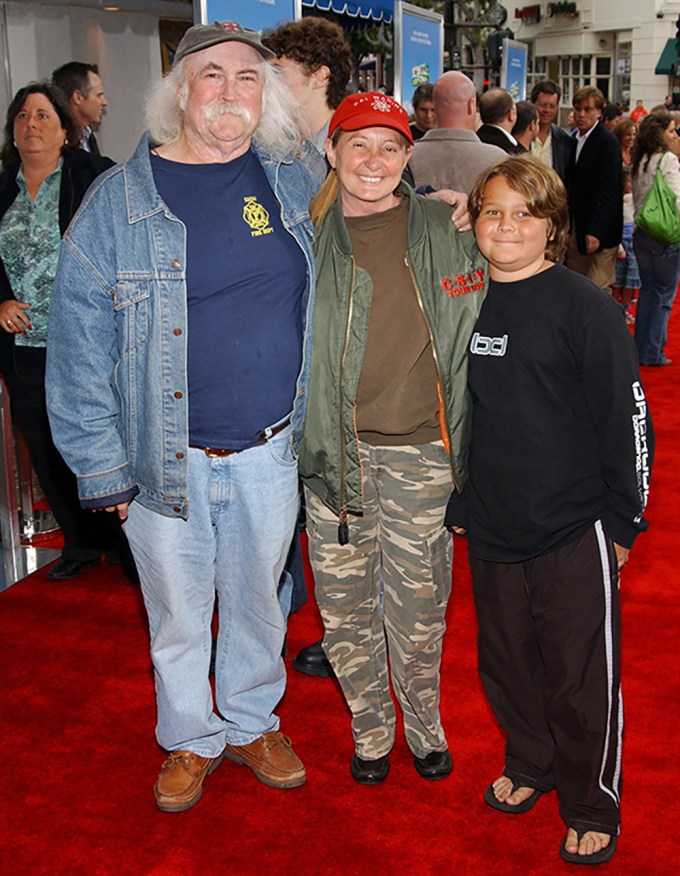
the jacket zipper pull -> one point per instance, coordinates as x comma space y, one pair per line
343, 528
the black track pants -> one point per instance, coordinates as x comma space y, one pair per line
549, 660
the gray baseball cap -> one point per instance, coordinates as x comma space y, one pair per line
202, 36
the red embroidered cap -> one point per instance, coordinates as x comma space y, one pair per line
370, 109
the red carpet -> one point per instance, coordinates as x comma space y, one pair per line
80, 758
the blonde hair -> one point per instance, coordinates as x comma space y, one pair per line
541, 188
324, 199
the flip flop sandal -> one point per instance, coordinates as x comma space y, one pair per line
600, 857
491, 799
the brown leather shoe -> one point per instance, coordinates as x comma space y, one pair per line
272, 759
180, 783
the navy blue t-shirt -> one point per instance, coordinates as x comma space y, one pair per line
245, 281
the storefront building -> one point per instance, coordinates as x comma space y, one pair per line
616, 45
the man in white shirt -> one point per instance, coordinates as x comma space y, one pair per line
553, 146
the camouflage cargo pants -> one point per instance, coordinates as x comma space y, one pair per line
384, 595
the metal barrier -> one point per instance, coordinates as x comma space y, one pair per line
18, 559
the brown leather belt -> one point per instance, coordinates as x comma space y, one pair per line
218, 453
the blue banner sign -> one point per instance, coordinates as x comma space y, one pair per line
514, 68
419, 50
254, 14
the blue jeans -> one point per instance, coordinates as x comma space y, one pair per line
659, 276
242, 514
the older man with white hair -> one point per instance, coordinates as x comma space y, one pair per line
183, 294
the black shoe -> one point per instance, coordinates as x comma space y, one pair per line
125, 560
435, 765
65, 570
312, 661
130, 572
370, 772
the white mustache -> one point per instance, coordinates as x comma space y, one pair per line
232, 109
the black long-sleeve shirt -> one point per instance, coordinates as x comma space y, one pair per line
561, 433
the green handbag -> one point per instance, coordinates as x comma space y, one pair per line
659, 218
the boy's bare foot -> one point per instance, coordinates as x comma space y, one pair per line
590, 843
511, 797
502, 789
587, 847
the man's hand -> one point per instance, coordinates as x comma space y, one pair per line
458, 200
622, 555
592, 244
458, 530
121, 509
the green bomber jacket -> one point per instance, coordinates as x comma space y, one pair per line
450, 278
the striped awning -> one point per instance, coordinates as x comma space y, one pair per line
375, 10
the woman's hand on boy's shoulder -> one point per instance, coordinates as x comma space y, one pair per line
457, 200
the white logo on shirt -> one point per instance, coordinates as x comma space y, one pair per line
641, 447
482, 346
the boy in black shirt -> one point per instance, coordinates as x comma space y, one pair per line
559, 473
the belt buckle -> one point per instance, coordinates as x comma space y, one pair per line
214, 452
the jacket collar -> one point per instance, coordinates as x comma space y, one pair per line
141, 194
336, 221
449, 134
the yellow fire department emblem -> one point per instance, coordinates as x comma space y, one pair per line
256, 217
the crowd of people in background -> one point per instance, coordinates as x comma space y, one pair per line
288, 278
594, 155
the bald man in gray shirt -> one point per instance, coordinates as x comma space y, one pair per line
451, 156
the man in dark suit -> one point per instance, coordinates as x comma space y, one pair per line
553, 146
526, 126
595, 199
83, 89
498, 114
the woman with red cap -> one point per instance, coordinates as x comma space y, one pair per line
399, 290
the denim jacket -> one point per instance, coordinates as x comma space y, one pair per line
117, 344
